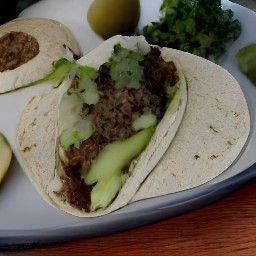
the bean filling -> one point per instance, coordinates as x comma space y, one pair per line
16, 48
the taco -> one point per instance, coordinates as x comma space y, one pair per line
88, 145
28, 49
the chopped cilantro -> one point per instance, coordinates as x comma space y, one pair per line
200, 27
125, 69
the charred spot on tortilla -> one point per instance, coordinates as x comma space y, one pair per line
213, 157
29, 148
196, 157
213, 129
131, 92
16, 48
76, 55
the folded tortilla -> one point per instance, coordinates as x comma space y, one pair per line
213, 133
39, 42
38, 138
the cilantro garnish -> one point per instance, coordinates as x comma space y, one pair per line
200, 27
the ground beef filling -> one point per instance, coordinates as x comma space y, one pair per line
112, 120
16, 48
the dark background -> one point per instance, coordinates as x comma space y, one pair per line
11, 8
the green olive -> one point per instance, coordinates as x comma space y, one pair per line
112, 17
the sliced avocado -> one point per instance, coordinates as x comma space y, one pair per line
81, 131
5, 156
73, 129
62, 68
104, 191
87, 86
110, 163
144, 121
125, 69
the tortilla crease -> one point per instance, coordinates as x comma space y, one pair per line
55, 41
37, 135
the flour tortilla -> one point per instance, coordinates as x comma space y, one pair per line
214, 130
55, 41
37, 135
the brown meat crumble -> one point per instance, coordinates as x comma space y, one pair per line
112, 120
16, 48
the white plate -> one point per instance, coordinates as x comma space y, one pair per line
26, 219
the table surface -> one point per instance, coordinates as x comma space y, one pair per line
226, 227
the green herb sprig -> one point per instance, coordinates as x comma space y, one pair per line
200, 27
